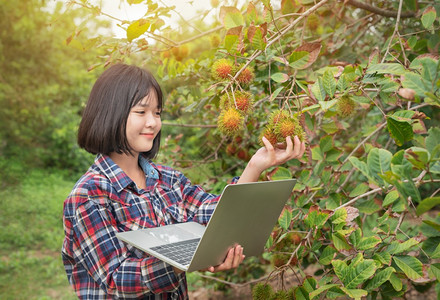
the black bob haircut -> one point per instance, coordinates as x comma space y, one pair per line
103, 125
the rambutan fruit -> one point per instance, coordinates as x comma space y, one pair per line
222, 69
262, 291
280, 126
286, 127
243, 101
278, 116
230, 121
270, 135
346, 106
231, 149
279, 259
282, 295
312, 22
246, 76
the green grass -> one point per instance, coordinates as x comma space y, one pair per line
31, 236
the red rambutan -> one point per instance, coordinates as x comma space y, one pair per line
222, 69
246, 76
230, 121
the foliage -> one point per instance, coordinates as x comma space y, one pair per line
364, 82
43, 85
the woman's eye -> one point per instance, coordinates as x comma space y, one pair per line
158, 113
140, 112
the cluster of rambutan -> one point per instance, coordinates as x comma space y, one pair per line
281, 125
234, 108
263, 291
224, 69
346, 106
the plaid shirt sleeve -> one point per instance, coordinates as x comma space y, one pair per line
200, 205
110, 263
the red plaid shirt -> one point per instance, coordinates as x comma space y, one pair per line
105, 201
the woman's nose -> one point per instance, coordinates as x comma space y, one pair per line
151, 120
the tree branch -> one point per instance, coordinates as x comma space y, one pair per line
380, 11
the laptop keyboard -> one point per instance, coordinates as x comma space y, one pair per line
181, 252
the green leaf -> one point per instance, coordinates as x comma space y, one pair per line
419, 157
285, 219
329, 83
416, 82
301, 293
269, 242
340, 242
352, 276
279, 77
316, 218
383, 257
356, 294
432, 224
317, 153
327, 255
355, 237
379, 278
305, 55
321, 289
408, 189
299, 59
390, 198
281, 173
379, 161
396, 282
256, 36
427, 204
326, 143
342, 83
436, 253
368, 242
400, 131
231, 17
428, 17
386, 68
136, 29
326, 105
275, 93
397, 247
318, 90
359, 190
435, 270
433, 139
310, 284
339, 216
411, 266
360, 165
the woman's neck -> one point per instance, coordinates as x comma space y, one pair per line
130, 165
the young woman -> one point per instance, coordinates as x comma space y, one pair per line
124, 190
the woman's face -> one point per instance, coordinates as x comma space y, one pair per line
144, 123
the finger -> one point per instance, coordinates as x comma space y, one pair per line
297, 147
303, 148
267, 144
289, 143
228, 261
237, 256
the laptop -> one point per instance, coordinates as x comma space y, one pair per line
245, 215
